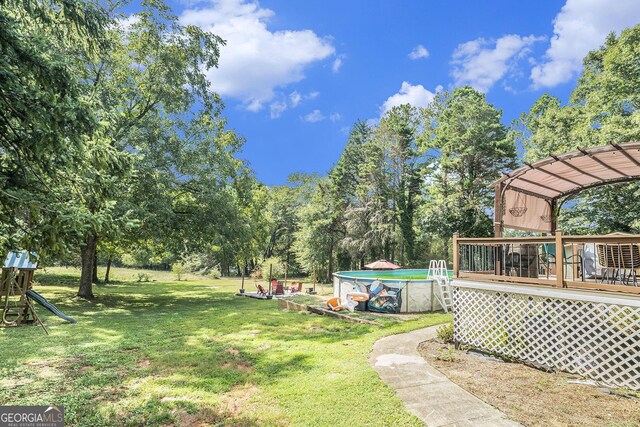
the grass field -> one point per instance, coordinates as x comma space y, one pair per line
191, 353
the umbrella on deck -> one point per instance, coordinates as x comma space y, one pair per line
382, 264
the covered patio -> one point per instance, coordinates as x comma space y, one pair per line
529, 199
563, 302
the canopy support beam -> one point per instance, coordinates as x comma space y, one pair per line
498, 210
561, 178
627, 155
539, 185
555, 211
601, 163
566, 163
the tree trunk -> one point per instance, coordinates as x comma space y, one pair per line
87, 251
106, 274
329, 278
94, 269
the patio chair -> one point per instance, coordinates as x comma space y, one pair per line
619, 261
277, 288
548, 261
521, 260
261, 290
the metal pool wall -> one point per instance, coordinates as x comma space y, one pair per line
417, 295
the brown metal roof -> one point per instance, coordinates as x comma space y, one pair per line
566, 174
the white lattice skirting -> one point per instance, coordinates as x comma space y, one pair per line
594, 335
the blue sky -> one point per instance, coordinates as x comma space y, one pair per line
295, 75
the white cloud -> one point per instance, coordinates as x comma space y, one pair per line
285, 102
255, 60
277, 108
416, 95
314, 116
334, 117
254, 105
480, 63
337, 63
295, 98
581, 26
419, 52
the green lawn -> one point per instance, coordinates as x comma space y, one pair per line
191, 353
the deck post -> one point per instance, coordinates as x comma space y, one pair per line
559, 260
456, 254
498, 225
553, 211
497, 211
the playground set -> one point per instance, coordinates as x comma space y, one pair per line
17, 295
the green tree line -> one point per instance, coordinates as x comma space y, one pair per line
114, 148
404, 185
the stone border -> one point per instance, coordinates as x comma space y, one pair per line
290, 305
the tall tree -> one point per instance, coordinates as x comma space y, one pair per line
381, 216
316, 238
472, 148
45, 117
154, 73
343, 185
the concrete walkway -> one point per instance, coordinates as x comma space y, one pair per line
425, 391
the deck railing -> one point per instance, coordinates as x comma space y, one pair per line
605, 263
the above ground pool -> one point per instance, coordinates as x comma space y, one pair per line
396, 291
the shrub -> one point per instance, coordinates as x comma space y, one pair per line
201, 263
128, 260
277, 270
214, 273
256, 273
445, 333
179, 269
447, 355
144, 277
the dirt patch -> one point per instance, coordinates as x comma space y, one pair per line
144, 363
241, 366
245, 367
46, 369
531, 396
234, 402
185, 419
229, 410
12, 382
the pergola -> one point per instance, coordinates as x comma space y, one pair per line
529, 198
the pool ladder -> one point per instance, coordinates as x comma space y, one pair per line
438, 273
